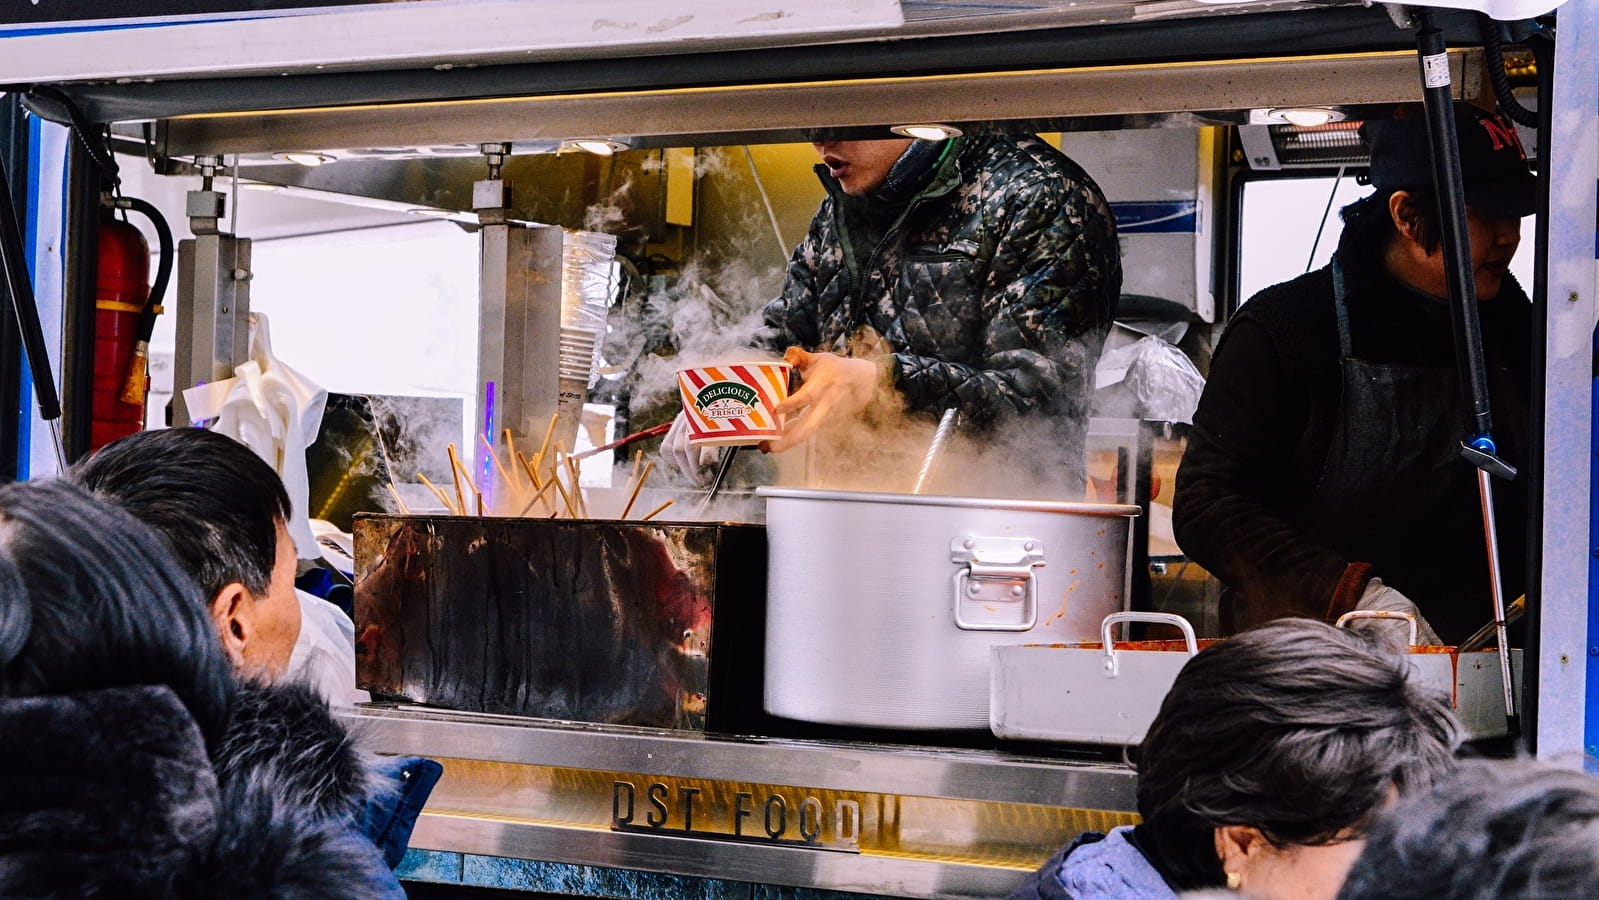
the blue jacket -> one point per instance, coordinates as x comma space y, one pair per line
1097, 867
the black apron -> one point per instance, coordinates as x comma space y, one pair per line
1395, 492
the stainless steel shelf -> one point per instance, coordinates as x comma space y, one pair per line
960, 823
983, 776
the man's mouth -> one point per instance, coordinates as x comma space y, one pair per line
836, 166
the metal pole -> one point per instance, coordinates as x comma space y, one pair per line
1479, 447
1490, 529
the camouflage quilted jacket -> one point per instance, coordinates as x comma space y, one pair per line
993, 288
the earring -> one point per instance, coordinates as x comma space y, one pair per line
1234, 881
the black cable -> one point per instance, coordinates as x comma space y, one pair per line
1495, 58
99, 152
163, 269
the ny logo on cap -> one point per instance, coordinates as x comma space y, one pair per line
1502, 134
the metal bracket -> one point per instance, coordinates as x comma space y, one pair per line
995, 589
1488, 462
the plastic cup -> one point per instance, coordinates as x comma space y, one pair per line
735, 403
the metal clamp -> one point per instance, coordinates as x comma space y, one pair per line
996, 577
1111, 666
1379, 614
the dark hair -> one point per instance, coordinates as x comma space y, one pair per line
1296, 728
1496, 830
211, 497
1369, 226
90, 599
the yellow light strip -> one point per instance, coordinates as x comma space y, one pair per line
791, 85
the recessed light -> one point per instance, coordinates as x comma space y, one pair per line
927, 132
1305, 116
427, 211
597, 146
303, 158
258, 186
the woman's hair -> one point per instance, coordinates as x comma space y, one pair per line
1296, 728
1368, 225
91, 599
1495, 830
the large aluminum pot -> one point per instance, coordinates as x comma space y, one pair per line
882, 608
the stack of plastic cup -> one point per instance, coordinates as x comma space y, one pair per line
586, 284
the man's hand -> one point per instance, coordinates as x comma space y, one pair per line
678, 455
832, 388
1379, 596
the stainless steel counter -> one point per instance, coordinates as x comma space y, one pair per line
872, 818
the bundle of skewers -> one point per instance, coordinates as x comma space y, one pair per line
545, 485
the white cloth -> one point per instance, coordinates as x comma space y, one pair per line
324, 653
275, 411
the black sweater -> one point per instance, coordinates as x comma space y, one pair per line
1261, 434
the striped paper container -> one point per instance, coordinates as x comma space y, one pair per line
733, 404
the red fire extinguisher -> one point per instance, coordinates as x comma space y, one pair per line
125, 309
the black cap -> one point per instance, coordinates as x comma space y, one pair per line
1492, 163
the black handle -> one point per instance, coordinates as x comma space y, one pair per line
1450, 188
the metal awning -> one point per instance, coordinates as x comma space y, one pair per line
99, 40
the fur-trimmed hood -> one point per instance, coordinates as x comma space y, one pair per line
112, 793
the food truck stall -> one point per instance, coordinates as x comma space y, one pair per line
635, 699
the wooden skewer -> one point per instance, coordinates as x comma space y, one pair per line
656, 511
395, 493
444, 499
497, 466
470, 482
637, 485
455, 472
532, 470
536, 498
544, 447
574, 473
565, 497
510, 447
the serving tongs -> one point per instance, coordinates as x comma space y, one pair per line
1480, 638
716, 483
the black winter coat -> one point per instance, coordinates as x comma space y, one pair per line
1261, 437
110, 793
993, 287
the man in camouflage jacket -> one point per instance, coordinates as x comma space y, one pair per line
987, 270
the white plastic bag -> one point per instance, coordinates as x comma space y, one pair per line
1163, 385
275, 411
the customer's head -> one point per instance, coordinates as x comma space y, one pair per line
1499, 191
1272, 752
224, 512
90, 599
1496, 830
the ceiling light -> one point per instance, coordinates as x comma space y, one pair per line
927, 132
597, 146
258, 186
302, 158
426, 211
1306, 116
